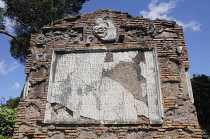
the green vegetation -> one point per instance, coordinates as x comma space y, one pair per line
1, 19
7, 120
201, 91
30, 16
11, 103
8, 113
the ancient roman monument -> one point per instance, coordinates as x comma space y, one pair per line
106, 74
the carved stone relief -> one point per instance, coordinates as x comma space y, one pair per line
162, 34
167, 47
75, 35
41, 37
111, 87
179, 49
89, 40
104, 29
152, 29
168, 23
72, 35
41, 56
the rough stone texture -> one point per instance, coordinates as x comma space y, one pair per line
87, 134
165, 34
105, 33
141, 135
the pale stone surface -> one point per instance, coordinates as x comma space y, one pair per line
105, 29
24, 93
189, 87
110, 87
166, 34
179, 49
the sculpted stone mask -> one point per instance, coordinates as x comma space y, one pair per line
105, 30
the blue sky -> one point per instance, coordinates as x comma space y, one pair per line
193, 15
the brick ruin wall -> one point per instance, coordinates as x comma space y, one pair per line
71, 33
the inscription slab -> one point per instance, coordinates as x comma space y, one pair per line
110, 87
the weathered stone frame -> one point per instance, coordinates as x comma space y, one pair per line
98, 50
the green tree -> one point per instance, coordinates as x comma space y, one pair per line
8, 113
1, 19
201, 91
30, 16
7, 120
11, 103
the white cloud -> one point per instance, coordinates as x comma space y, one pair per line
2, 5
194, 25
159, 11
162, 10
16, 86
8, 23
5, 69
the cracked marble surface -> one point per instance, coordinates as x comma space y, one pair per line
105, 86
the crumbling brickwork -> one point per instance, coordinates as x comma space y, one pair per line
81, 33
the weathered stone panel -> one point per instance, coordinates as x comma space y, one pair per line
110, 87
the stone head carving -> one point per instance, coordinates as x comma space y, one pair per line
105, 30
179, 49
89, 40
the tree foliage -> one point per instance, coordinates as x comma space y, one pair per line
7, 120
8, 113
11, 103
201, 91
1, 19
30, 16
